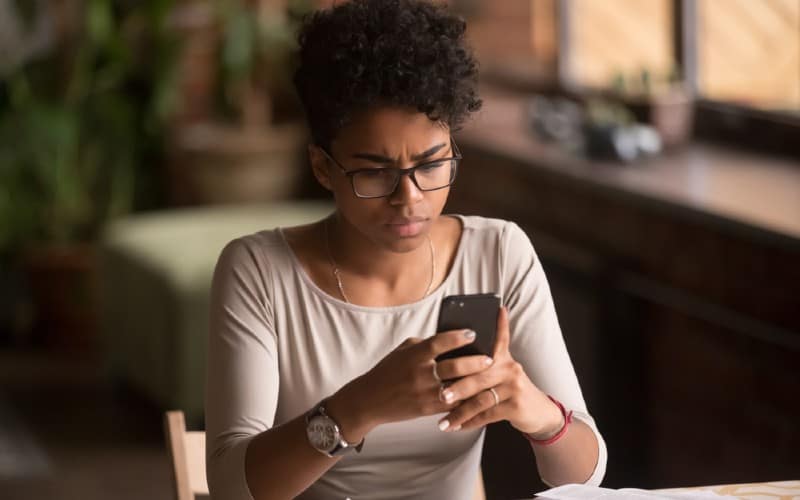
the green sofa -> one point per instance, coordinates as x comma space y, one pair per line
156, 271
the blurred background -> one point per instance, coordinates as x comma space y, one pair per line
650, 148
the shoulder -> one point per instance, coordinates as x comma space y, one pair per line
500, 241
254, 250
489, 228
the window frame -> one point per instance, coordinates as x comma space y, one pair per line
719, 121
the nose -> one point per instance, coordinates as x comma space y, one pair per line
406, 192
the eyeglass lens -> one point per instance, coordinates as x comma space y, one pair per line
382, 182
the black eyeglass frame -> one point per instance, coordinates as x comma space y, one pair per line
411, 171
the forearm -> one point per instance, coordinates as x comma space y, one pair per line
571, 459
280, 463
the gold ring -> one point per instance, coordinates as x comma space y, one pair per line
496, 397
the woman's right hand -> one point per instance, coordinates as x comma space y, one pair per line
403, 384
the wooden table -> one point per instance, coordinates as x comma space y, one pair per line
782, 490
779, 490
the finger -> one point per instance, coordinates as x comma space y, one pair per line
471, 385
462, 366
445, 341
472, 407
494, 414
503, 337
440, 405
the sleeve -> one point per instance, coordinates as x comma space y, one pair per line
242, 371
536, 339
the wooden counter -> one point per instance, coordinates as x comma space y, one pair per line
741, 191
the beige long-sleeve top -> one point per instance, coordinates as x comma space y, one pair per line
278, 344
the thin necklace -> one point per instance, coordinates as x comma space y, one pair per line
336, 273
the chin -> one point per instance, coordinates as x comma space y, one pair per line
406, 245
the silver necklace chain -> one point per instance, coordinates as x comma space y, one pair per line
337, 273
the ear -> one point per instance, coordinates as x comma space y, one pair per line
320, 166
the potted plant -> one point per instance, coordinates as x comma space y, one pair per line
77, 123
662, 102
251, 149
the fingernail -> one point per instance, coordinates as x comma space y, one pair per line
456, 428
488, 361
469, 334
444, 424
448, 396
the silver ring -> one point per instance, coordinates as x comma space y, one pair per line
436, 374
496, 397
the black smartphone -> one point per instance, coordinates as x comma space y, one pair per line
475, 311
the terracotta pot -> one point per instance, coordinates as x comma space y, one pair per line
671, 114
225, 164
64, 294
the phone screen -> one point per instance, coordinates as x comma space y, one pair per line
475, 311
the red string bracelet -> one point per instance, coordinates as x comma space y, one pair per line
567, 420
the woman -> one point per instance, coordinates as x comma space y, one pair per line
322, 374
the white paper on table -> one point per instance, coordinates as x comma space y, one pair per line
584, 492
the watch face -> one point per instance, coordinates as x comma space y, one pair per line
322, 433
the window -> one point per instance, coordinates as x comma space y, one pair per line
739, 59
748, 52
741, 52
624, 43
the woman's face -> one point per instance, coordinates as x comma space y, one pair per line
386, 137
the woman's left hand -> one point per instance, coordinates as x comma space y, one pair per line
518, 400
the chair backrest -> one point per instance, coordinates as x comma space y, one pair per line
480, 491
187, 452
188, 457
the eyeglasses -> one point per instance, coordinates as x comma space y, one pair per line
383, 181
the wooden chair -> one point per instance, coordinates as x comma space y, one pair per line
187, 452
188, 456
480, 491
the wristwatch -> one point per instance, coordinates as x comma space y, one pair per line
325, 435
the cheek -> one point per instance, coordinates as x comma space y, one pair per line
343, 195
366, 212
360, 211
437, 200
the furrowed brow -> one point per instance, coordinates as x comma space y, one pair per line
383, 159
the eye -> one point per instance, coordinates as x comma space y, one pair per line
431, 166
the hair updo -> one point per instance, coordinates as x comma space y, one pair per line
366, 53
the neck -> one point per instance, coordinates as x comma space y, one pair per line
356, 255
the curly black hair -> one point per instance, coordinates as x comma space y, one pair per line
365, 53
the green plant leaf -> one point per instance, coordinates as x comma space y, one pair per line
240, 43
99, 21
76, 117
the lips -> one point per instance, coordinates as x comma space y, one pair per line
406, 220
406, 227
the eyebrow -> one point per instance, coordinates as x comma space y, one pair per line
384, 159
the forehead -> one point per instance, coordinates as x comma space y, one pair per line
390, 130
